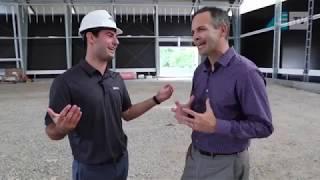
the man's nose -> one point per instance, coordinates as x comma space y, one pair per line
116, 41
195, 38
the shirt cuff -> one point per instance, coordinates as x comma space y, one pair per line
223, 127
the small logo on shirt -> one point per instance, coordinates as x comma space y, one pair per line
115, 88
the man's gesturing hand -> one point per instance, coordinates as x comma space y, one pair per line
67, 119
203, 122
179, 113
164, 93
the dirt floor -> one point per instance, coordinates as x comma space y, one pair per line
157, 144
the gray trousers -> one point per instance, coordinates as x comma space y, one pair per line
219, 167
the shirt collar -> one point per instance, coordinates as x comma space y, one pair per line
224, 60
91, 70
87, 68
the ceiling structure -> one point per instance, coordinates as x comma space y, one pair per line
121, 7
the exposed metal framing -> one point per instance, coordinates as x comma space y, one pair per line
20, 36
23, 37
114, 15
257, 32
16, 50
308, 41
236, 28
68, 32
277, 38
156, 33
79, 37
136, 69
9, 59
175, 39
290, 23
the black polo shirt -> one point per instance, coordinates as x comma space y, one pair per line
99, 137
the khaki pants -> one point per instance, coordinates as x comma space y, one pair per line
219, 167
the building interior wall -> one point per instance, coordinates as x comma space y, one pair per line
6, 45
259, 47
46, 54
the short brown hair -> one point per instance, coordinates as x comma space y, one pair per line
219, 16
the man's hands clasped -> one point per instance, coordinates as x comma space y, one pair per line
203, 122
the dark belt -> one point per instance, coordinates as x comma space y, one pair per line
211, 154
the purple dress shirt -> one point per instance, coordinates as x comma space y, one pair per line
238, 98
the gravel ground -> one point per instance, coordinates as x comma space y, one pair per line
157, 144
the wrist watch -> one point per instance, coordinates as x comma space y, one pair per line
156, 100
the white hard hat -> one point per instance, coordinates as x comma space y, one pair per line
96, 19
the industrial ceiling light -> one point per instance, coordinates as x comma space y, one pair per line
73, 11
229, 12
5, 9
192, 12
30, 10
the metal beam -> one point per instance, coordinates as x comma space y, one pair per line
114, 15
308, 41
68, 33
22, 28
156, 33
236, 28
16, 49
276, 38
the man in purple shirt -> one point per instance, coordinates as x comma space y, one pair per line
228, 104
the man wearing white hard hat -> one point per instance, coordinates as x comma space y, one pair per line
88, 101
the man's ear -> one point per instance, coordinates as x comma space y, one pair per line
90, 37
224, 30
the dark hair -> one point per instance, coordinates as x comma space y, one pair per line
219, 16
94, 31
